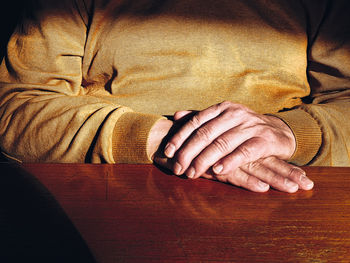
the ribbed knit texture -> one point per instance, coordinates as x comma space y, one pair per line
307, 134
129, 143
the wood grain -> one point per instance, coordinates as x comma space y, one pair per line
137, 213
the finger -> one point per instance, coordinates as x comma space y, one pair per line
219, 152
250, 150
247, 181
163, 162
209, 175
212, 132
187, 129
294, 173
181, 114
276, 180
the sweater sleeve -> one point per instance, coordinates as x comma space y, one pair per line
45, 113
321, 125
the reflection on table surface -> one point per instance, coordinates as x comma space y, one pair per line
137, 213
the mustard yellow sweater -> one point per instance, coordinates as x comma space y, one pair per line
85, 80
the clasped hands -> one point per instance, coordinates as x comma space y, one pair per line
230, 143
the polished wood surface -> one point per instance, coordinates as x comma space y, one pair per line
137, 213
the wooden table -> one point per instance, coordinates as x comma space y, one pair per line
137, 213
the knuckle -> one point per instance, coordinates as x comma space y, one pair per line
252, 182
204, 133
231, 114
195, 121
244, 152
222, 145
275, 179
253, 166
215, 107
295, 173
237, 111
178, 114
240, 112
253, 121
242, 108
226, 104
245, 179
241, 178
270, 159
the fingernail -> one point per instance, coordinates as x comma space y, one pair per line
191, 172
177, 168
169, 150
262, 185
218, 168
307, 182
293, 187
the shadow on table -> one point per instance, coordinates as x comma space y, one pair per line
33, 227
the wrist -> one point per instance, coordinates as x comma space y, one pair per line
288, 134
159, 130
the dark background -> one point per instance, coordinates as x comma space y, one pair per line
10, 11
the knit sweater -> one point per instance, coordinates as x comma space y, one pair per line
85, 80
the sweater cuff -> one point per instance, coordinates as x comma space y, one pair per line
307, 134
129, 142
